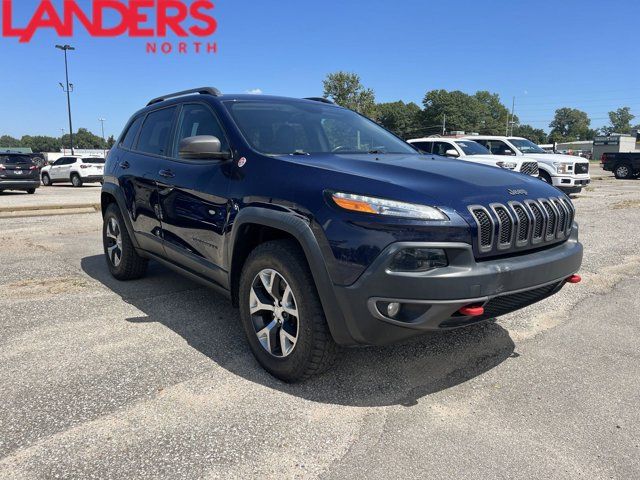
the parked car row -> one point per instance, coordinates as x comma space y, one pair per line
24, 172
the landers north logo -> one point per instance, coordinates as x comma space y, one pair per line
115, 18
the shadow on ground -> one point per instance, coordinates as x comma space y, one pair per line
395, 375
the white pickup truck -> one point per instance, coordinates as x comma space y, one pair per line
569, 173
470, 151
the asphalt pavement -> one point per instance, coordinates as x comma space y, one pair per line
153, 378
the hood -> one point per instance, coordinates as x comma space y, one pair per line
556, 157
425, 179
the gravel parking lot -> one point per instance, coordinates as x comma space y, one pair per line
153, 379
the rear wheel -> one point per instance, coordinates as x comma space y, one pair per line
282, 315
123, 261
76, 181
623, 171
46, 180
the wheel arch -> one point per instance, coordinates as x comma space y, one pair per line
112, 195
255, 225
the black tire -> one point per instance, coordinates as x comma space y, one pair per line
315, 351
130, 266
623, 171
31, 191
545, 177
46, 180
76, 181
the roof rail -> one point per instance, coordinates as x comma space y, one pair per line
320, 99
202, 91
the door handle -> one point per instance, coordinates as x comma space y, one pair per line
124, 165
166, 173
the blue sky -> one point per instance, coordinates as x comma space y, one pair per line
548, 54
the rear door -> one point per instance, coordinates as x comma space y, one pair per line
194, 197
144, 146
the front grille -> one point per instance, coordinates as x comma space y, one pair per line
530, 168
509, 303
520, 225
581, 168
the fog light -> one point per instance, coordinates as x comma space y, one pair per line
393, 309
418, 260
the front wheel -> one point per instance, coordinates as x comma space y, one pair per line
282, 315
545, 177
122, 259
623, 172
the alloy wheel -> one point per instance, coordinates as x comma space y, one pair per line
623, 171
274, 313
114, 242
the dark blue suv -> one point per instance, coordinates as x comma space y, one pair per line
325, 229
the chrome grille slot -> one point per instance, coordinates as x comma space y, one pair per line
505, 226
552, 220
538, 221
562, 216
485, 227
523, 226
571, 214
530, 168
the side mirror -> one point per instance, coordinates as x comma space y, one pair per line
452, 153
202, 147
508, 152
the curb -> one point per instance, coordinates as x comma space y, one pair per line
42, 211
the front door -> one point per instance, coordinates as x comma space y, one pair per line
193, 197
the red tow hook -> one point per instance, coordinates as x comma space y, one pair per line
574, 279
472, 311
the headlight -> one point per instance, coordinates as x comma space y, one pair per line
508, 165
561, 167
391, 208
418, 260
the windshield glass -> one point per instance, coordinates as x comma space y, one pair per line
298, 127
526, 146
472, 148
15, 159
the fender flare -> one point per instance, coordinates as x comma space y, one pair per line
114, 191
546, 168
298, 227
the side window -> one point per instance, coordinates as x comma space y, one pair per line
196, 120
132, 132
498, 147
440, 148
156, 132
424, 147
59, 162
484, 143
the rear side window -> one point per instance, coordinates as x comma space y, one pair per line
132, 132
156, 132
196, 120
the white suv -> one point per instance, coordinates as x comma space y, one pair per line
77, 170
566, 172
470, 151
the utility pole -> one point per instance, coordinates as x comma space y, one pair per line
104, 142
444, 125
513, 114
67, 90
64, 150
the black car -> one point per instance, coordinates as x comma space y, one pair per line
18, 172
324, 228
623, 165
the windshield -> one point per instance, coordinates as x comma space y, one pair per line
472, 148
299, 128
526, 146
15, 159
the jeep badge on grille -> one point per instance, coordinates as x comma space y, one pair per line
518, 192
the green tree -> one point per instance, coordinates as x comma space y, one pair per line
570, 124
8, 141
620, 121
401, 118
482, 112
536, 135
111, 141
84, 139
40, 143
346, 90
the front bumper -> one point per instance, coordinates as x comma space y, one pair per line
571, 181
19, 184
431, 300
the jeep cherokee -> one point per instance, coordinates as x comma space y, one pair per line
325, 229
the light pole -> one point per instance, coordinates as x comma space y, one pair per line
68, 90
104, 142
64, 150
